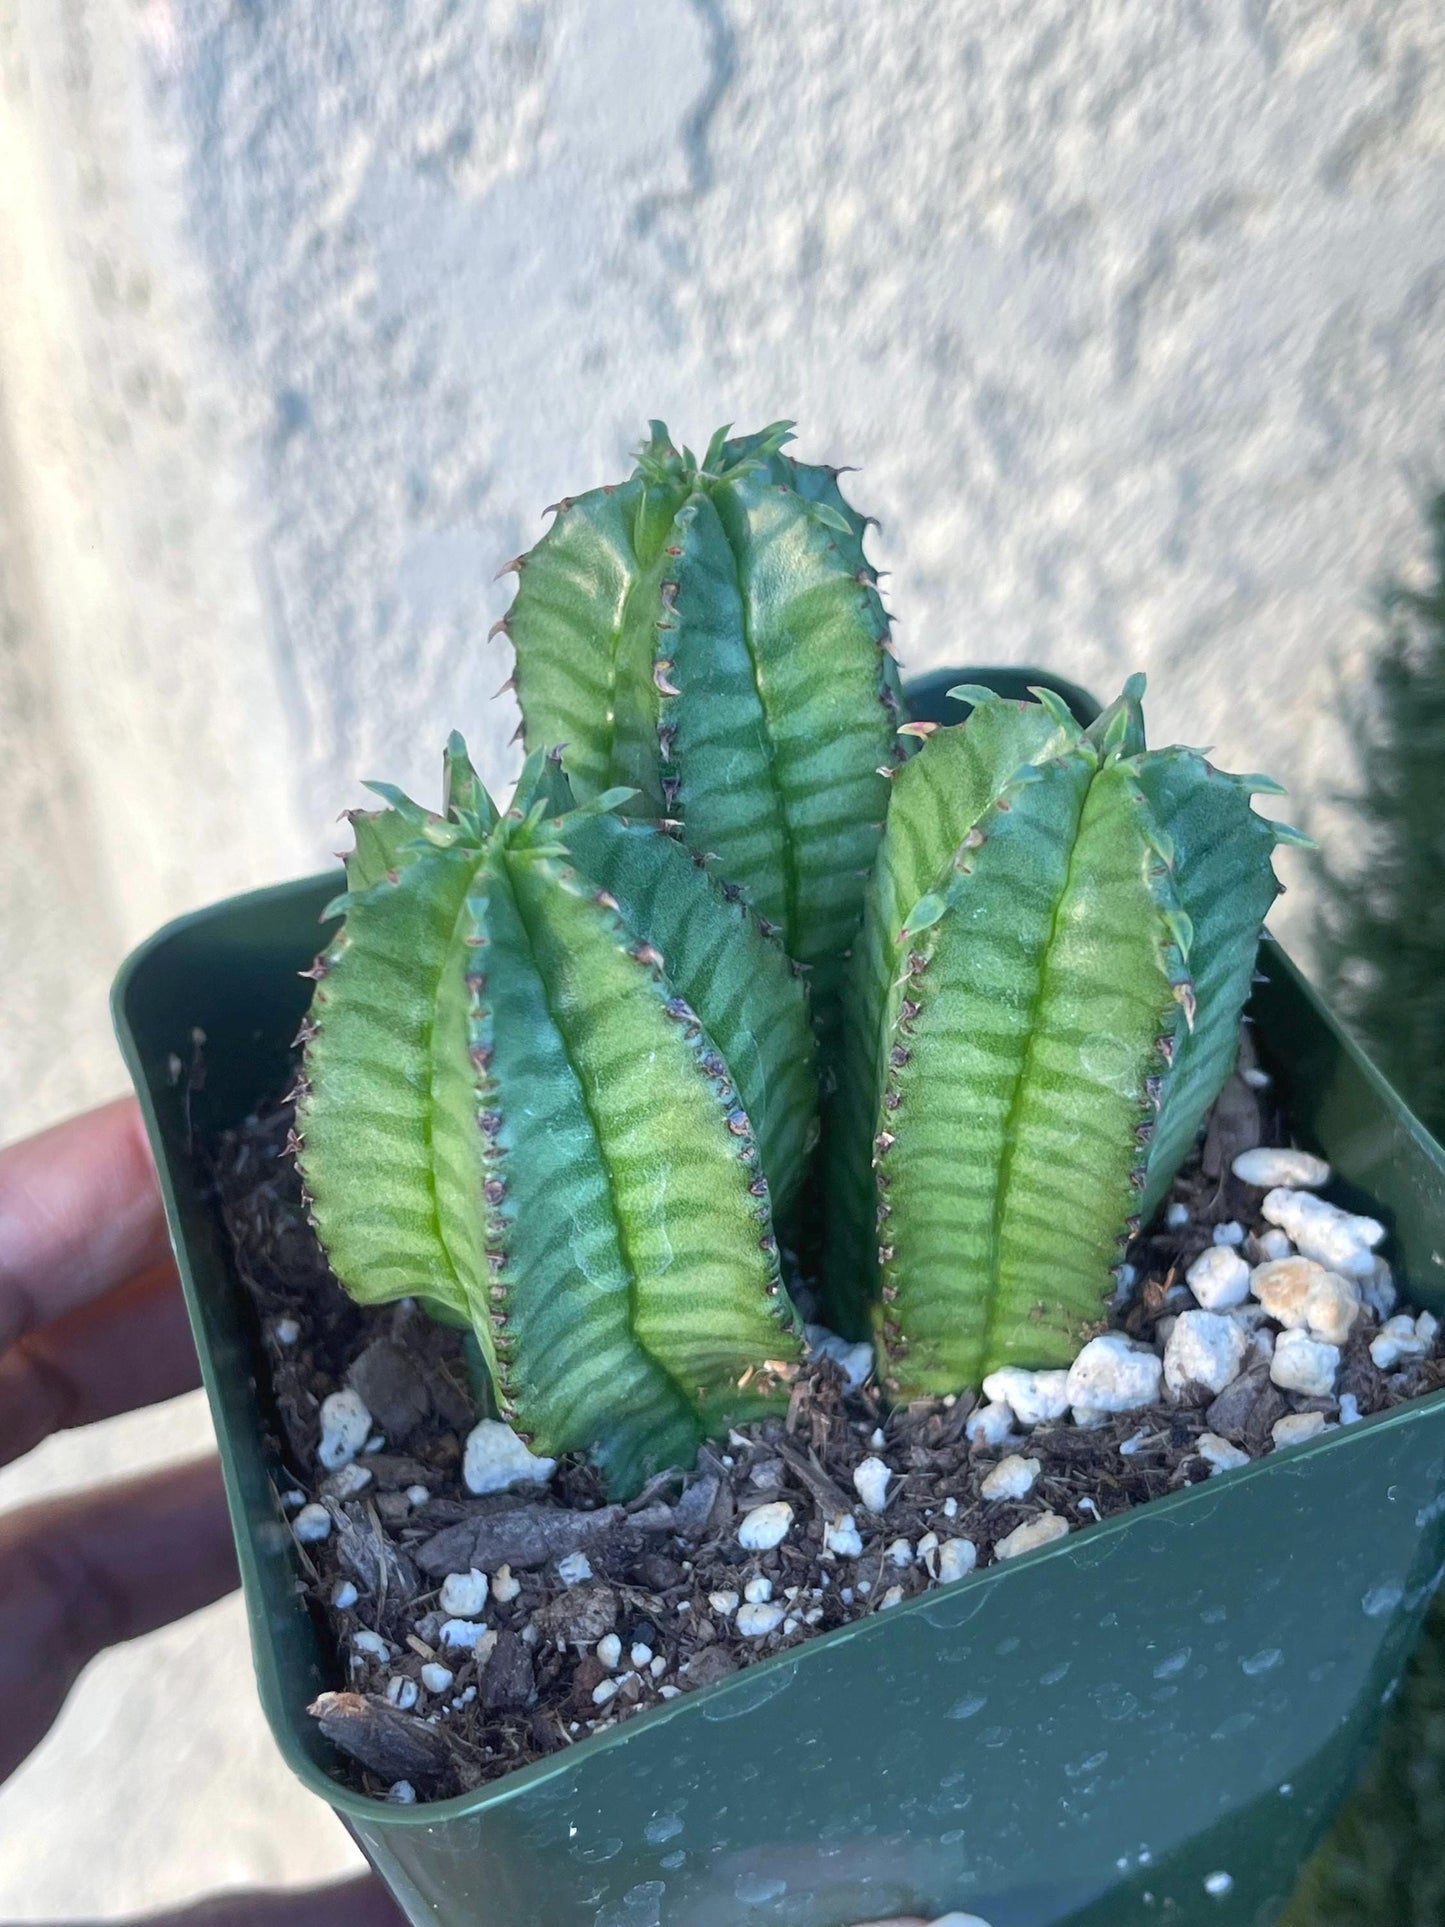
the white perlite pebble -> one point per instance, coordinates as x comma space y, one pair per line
639, 1656
1304, 1364
725, 1603
1111, 1374
1332, 1307
1274, 1244
469, 1636
757, 1621
370, 1643
1177, 1216
609, 1651
766, 1526
956, 1559
1219, 1455
1033, 1397
495, 1459
311, 1524
463, 1594
1300, 1170
402, 1692
1219, 1278
437, 1678
1031, 1535
1297, 1292
574, 1569
1232, 1233
418, 1494
854, 1361
1297, 1427
990, 1424
1011, 1478
504, 1586
757, 1592
345, 1428
1350, 1413
605, 1690
899, 1553
843, 1537
343, 1596
870, 1482
1205, 1348
286, 1331
401, 1793
1402, 1337
1336, 1239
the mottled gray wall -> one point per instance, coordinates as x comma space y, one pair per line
1133, 314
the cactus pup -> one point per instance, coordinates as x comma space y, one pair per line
710, 634
554, 1083
1058, 943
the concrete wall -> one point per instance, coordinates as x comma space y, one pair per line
1133, 314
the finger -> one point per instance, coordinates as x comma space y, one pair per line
82, 1573
131, 1348
352, 1903
80, 1212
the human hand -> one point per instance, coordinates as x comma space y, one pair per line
92, 1323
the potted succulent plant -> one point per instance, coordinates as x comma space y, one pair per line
740, 1021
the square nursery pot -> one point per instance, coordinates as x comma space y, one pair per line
1153, 1718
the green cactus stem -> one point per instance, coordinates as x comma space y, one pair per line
711, 634
1058, 943
553, 1083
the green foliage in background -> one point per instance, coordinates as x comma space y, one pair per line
1383, 937
1383, 947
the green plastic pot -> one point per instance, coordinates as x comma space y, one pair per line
1153, 1719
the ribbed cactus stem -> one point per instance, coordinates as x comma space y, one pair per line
555, 1084
711, 634
1057, 947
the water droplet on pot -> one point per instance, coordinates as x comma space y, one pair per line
1382, 1599
747, 1694
966, 1708
1264, 1662
757, 1889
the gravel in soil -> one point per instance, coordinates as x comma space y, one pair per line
595, 1612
